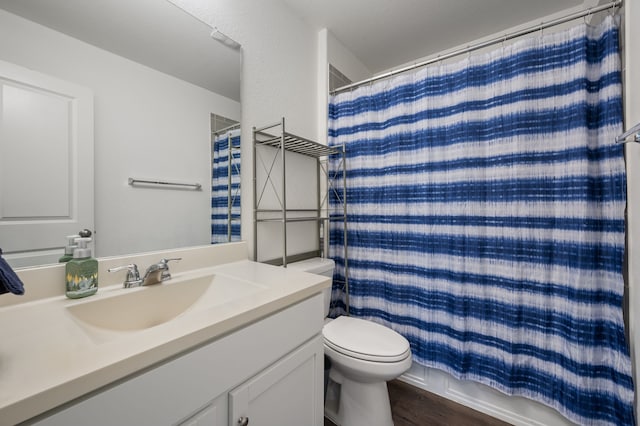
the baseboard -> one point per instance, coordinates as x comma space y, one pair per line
517, 411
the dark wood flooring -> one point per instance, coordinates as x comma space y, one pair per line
411, 406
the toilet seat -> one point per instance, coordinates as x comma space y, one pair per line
365, 340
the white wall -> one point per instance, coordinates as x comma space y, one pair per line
342, 59
332, 51
147, 125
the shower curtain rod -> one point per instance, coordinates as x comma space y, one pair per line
634, 131
226, 129
483, 44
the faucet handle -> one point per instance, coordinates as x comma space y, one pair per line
133, 276
166, 275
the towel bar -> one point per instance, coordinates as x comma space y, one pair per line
195, 186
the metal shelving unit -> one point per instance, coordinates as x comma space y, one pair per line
275, 136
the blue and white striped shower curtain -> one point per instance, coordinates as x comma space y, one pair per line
220, 188
486, 224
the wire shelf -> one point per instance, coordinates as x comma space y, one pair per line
295, 144
300, 219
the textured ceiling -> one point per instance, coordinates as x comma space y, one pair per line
384, 34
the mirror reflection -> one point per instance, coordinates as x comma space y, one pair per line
154, 77
225, 185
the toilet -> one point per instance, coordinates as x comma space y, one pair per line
364, 355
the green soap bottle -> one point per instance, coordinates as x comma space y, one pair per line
69, 248
81, 271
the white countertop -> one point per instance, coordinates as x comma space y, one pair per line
48, 359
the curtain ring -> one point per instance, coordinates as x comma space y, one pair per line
588, 15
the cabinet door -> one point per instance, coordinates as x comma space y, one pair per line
214, 414
288, 393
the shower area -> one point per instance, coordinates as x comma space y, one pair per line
486, 198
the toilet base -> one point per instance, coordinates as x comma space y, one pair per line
363, 404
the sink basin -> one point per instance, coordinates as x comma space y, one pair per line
145, 307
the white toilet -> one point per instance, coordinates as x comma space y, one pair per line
364, 356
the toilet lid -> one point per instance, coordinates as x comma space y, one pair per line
365, 340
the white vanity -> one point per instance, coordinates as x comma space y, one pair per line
219, 357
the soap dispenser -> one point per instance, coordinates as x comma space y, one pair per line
82, 271
68, 249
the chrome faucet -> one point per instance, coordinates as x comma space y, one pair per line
133, 276
156, 273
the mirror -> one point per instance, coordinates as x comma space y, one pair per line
156, 76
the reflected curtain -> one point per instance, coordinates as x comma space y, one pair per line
225, 188
486, 224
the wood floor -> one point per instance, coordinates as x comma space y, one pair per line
411, 406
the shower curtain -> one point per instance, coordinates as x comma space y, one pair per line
486, 224
223, 195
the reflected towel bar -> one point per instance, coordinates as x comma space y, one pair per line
195, 186
634, 131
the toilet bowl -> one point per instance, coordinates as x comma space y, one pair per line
364, 356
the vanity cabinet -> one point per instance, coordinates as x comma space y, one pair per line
281, 395
269, 372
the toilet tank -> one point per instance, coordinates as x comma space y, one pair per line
319, 266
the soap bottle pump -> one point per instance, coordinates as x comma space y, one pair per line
68, 249
82, 271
